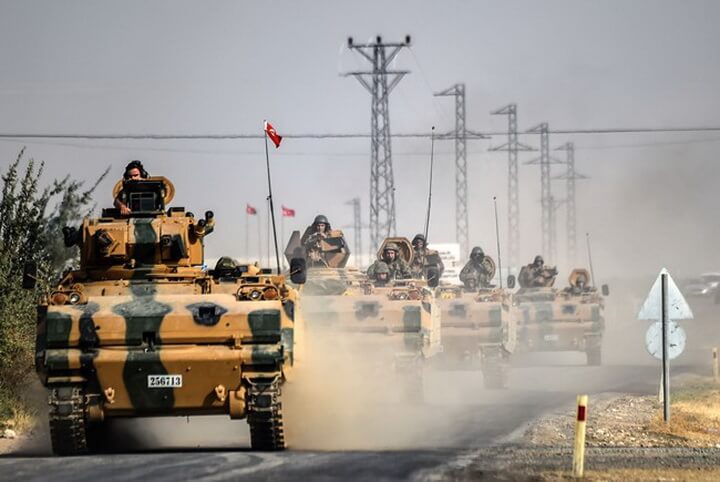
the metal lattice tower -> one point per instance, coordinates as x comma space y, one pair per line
546, 200
512, 147
460, 134
380, 82
570, 176
357, 230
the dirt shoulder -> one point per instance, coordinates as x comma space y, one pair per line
626, 439
616, 420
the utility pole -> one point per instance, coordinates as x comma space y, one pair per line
357, 230
512, 146
570, 177
546, 199
461, 210
380, 81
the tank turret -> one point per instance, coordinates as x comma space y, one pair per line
152, 238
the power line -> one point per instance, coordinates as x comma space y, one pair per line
339, 135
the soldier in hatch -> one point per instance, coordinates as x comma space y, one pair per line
475, 274
134, 171
311, 239
424, 259
537, 275
381, 274
398, 267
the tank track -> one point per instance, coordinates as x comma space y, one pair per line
68, 427
265, 415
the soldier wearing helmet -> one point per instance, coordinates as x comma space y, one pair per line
424, 260
537, 275
398, 267
476, 274
381, 275
312, 239
134, 171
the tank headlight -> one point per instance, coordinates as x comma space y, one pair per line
58, 298
256, 295
74, 298
270, 294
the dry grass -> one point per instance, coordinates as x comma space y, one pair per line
640, 475
17, 414
694, 417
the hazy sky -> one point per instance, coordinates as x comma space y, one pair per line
223, 67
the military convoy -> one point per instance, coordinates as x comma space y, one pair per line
141, 329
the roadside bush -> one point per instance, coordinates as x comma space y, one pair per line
31, 222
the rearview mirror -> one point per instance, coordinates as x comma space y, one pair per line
298, 271
29, 279
511, 281
605, 290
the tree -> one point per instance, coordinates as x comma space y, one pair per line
30, 230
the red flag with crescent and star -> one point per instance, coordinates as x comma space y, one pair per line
250, 210
272, 134
287, 212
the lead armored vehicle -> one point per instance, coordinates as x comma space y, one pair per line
478, 329
396, 325
141, 329
570, 319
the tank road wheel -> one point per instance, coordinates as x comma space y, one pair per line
265, 415
413, 388
68, 426
594, 355
593, 350
494, 369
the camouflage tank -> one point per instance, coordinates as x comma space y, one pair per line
561, 320
141, 329
478, 329
401, 318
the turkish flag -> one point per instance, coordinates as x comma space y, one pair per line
250, 210
272, 134
287, 212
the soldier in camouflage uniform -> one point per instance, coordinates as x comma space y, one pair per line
537, 275
475, 274
399, 269
314, 234
381, 275
424, 259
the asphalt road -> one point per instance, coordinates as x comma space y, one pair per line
385, 442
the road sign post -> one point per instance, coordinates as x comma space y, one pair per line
665, 339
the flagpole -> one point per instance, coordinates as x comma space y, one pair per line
247, 234
270, 198
282, 232
259, 233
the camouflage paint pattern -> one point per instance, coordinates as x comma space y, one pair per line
553, 320
475, 321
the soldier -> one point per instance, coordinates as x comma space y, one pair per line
398, 267
475, 273
381, 274
311, 239
424, 258
536, 275
134, 171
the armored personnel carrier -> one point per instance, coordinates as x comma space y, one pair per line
141, 329
478, 329
401, 319
561, 320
